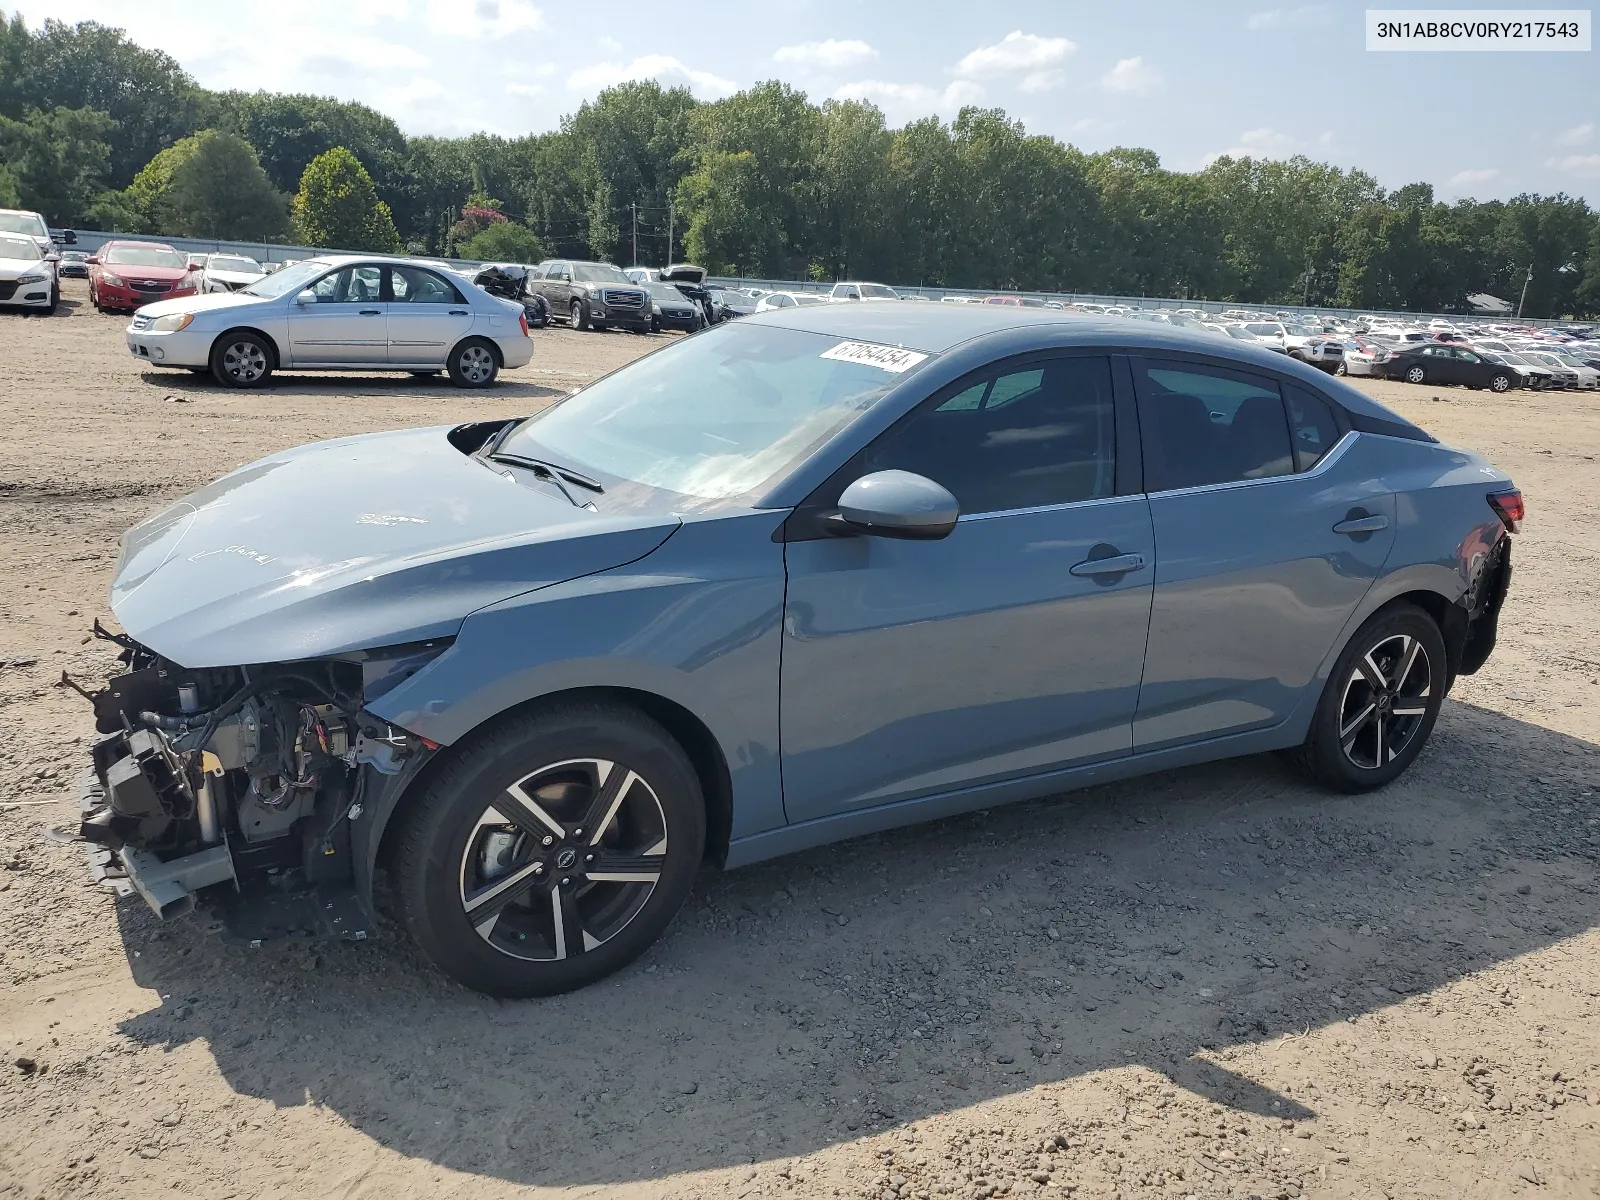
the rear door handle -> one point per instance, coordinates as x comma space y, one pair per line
1362, 525
459, 312
372, 312
1121, 564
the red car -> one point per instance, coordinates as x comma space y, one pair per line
125, 274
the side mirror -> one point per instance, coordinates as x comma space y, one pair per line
306, 297
192, 267
898, 504
94, 259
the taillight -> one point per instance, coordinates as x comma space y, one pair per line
523, 317
1509, 508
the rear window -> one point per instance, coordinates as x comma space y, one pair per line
30, 224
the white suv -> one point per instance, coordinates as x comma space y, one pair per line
863, 291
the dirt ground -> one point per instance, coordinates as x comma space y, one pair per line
1213, 982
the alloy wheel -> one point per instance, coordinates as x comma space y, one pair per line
477, 364
1500, 384
1385, 701
244, 362
1416, 375
563, 859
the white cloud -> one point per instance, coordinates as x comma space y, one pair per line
909, 101
360, 56
1256, 143
609, 45
661, 67
1584, 166
1043, 81
478, 18
1014, 53
525, 89
1286, 18
1474, 175
831, 55
1577, 135
1131, 77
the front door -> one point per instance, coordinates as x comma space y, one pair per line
1011, 647
427, 315
1270, 528
349, 322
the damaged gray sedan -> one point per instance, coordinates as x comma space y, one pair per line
813, 574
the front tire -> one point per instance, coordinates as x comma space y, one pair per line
1416, 375
1380, 703
1500, 383
578, 316
242, 359
551, 849
1341, 370
474, 364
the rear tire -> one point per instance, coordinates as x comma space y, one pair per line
474, 364
593, 876
1416, 375
242, 359
1380, 703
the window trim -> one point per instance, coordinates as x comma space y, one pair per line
807, 521
1145, 360
1336, 452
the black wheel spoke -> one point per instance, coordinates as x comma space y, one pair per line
522, 810
485, 905
615, 781
1349, 730
1371, 673
570, 936
608, 867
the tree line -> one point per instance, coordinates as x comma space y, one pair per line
97, 130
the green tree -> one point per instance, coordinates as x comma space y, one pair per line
90, 66
10, 193
504, 241
220, 191
58, 159
338, 207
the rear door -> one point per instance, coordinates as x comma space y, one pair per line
1268, 533
348, 323
427, 315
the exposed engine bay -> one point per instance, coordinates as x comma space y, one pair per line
241, 783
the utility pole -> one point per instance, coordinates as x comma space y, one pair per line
672, 212
1524, 296
634, 261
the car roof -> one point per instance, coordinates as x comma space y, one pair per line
139, 242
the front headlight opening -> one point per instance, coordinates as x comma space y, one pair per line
172, 323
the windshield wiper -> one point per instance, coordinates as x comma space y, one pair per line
551, 472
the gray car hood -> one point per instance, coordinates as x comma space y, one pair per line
353, 544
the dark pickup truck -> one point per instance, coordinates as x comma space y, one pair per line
591, 295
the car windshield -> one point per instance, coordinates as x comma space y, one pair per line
145, 256
25, 249
20, 222
715, 416
802, 298
1304, 331
598, 273
282, 282
665, 291
1262, 328
876, 291
1240, 332
227, 262
1515, 360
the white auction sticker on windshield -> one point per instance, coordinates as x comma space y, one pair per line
869, 354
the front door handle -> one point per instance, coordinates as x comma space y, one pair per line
1119, 564
372, 312
459, 312
1357, 525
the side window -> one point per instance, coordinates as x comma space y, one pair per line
415, 286
1467, 356
1315, 430
1013, 439
1205, 426
353, 285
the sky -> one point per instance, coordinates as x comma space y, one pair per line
1189, 81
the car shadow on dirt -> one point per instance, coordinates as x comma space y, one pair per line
812, 1000
385, 385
